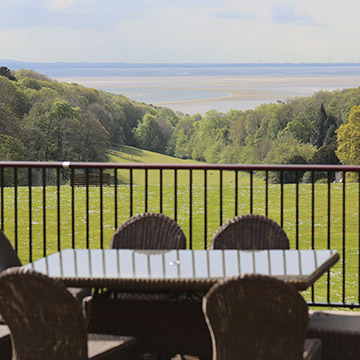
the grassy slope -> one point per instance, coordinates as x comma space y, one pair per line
129, 154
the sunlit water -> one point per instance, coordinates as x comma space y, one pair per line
193, 89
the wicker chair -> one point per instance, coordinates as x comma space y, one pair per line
250, 232
258, 317
151, 231
339, 332
9, 259
8, 256
46, 322
156, 319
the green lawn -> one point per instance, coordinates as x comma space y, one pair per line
60, 226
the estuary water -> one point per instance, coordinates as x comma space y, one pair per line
198, 88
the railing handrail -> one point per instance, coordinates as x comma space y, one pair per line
170, 166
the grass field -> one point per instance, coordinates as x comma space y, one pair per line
95, 227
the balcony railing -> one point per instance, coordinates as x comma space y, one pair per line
45, 207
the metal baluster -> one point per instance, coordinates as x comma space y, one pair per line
205, 209
44, 209
115, 199
101, 210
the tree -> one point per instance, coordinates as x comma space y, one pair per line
107, 120
30, 83
169, 115
178, 144
288, 150
282, 115
59, 120
11, 148
55, 125
93, 140
125, 118
213, 128
12, 96
4, 71
300, 128
332, 126
148, 134
348, 138
326, 155
181, 145
319, 130
9, 123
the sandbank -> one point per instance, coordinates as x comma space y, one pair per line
240, 92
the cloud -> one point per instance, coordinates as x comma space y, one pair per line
287, 14
237, 15
178, 30
75, 14
59, 5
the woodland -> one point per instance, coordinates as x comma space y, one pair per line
45, 120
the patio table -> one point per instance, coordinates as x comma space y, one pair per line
175, 324
180, 270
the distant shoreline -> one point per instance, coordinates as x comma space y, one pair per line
198, 87
222, 92
62, 69
82, 64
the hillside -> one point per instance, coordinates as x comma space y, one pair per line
45, 120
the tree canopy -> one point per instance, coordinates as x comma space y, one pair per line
348, 137
52, 120
5, 71
55, 121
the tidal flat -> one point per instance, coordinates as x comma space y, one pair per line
198, 94
201, 89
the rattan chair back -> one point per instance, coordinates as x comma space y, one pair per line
151, 231
256, 317
8, 256
45, 321
9, 259
250, 232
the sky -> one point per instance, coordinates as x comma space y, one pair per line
177, 31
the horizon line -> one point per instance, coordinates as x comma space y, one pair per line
120, 63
